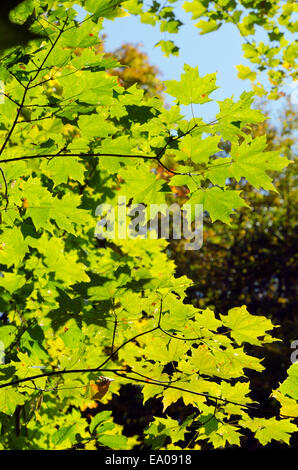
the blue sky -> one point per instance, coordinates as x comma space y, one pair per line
218, 52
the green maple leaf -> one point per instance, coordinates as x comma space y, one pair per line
289, 407
218, 171
192, 88
207, 26
103, 8
61, 168
197, 9
7, 334
13, 247
198, 149
268, 429
168, 426
236, 393
204, 361
207, 319
251, 161
117, 146
220, 204
79, 37
245, 72
168, 48
10, 399
239, 111
169, 396
225, 433
176, 349
95, 126
246, 327
290, 385
44, 208
142, 185
12, 281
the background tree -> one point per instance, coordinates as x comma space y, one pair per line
135, 68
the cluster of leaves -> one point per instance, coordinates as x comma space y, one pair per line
276, 56
133, 67
254, 262
75, 308
255, 259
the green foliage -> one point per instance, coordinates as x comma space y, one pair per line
277, 20
75, 308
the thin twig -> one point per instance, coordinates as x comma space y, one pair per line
6, 188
